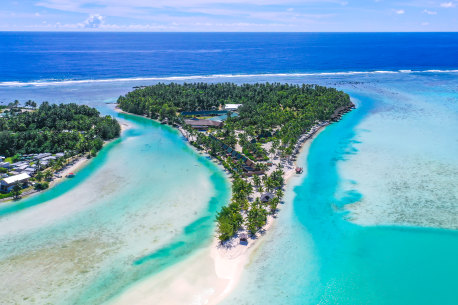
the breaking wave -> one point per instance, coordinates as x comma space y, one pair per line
56, 82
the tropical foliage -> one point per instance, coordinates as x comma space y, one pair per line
55, 128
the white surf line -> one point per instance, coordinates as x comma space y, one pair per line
212, 76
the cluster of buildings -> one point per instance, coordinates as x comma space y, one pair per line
20, 172
247, 164
215, 120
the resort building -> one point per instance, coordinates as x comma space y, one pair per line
232, 107
203, 124
6, 185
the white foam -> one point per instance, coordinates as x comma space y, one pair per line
41, 83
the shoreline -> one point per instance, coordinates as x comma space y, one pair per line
81, 162
74, 166
230, 261
221, 265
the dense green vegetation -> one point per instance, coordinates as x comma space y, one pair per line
267, 128
55, 128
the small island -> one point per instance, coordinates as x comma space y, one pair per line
254, 130
37, 145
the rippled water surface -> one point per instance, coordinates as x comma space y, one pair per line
373, 221
144, 203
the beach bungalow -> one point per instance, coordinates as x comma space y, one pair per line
266, 197
6, 185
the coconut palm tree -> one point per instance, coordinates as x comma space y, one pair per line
39, 176
48, 175
16, 192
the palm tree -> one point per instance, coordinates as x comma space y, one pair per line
39, 176
272, 152
280, 194
48, 175
273, 205
56, 166
16, 191
256, 181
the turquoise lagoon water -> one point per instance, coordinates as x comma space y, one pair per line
146, 202
373, 221
390, 166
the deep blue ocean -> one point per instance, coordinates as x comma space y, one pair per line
79, 56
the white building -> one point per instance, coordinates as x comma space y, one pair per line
6, 185
232, 107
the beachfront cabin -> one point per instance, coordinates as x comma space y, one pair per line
243, 238
266, 197
7, 184
232, 107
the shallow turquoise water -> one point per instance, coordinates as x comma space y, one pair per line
147, 201
368, 224
314, 255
